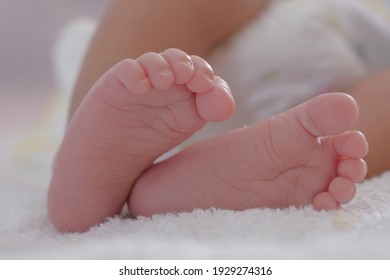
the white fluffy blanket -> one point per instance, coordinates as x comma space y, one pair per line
360, 230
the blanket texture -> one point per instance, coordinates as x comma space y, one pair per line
340, 56
359, 230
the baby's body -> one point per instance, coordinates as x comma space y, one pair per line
142, 108
124, 117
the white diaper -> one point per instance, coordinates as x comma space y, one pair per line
300, 48
295, 50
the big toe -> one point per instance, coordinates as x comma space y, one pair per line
328, 114
217, 104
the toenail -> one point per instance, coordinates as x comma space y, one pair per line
166, 73
209, 73
223, 84
185, 64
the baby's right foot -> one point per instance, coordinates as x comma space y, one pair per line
304, 156
136, 112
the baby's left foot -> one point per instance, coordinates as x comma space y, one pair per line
137, 111
303, 156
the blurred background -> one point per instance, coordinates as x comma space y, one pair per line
28, 32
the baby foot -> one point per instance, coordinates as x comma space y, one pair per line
136, 112
300, 157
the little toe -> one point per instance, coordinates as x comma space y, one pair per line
355, 169
352, 144
325, 201
157, 69
180, 63
217, 104
328, 114
203, 78
343, 190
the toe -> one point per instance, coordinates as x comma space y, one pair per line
354, 169
181, 65
328, 114
203, 78
342, 190
217, 104
157, 69
352, 144
130, 74
325, 201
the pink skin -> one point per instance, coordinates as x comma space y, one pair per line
301, 157
142, 108
136, 112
